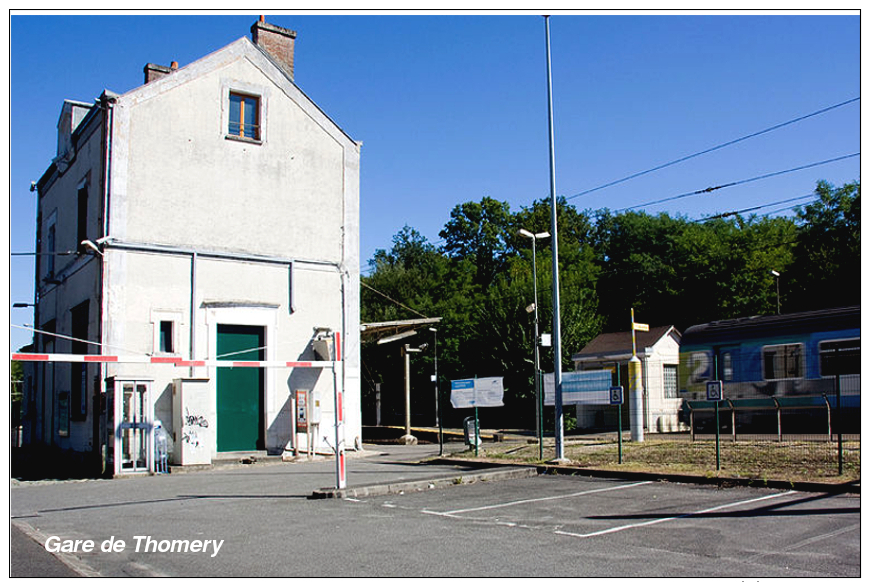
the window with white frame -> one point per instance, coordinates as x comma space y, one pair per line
670, 380
166, 324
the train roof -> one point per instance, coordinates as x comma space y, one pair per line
759, 326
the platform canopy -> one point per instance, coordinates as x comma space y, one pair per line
388, 331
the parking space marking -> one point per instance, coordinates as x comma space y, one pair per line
455, 512
664, 519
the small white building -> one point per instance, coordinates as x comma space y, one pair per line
221, 209
659, 354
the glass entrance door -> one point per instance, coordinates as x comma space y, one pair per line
134, 426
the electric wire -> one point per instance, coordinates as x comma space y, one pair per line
75, 339
742, 210
739, 182
714, 148
369, 287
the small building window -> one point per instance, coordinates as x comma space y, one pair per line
670, 380
244, 120
166, 343
783, 361
82, 218
50, 250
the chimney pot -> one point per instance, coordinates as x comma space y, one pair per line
154, 72
174, 65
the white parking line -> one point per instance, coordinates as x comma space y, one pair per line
664, 519
534, 500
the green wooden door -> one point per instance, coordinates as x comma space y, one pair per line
240, 390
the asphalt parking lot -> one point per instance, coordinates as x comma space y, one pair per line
644, 528
532, 526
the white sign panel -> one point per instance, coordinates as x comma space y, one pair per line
587, 387
480, 392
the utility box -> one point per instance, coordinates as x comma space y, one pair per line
192, 422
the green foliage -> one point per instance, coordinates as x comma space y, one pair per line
828, 250
672, 270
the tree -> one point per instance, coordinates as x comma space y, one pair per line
828, 251
478, 231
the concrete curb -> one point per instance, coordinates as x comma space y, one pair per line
71, 561
556, 469
501, 474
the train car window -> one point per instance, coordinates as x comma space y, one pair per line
727, 366
783, 361
840, 356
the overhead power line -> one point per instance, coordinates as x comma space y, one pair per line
714, 148
370, 288
741, 211
739, 182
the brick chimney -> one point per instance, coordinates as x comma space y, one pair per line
154, 72
278, 42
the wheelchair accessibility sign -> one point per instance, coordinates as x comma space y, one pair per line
616, 395
714, 390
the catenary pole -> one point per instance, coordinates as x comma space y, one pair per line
557, 329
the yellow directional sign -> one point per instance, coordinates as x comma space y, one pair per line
640, 326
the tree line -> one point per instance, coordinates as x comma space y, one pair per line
671, 270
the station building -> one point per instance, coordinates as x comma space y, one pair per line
210, 214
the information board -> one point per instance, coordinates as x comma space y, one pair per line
479, 392
584, 387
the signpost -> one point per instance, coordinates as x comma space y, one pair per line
616, 397
714, 393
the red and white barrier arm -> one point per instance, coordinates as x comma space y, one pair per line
177, 361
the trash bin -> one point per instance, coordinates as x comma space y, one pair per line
470, 430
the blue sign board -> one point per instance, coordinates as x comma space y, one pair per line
583, 387
616, 395
714, 390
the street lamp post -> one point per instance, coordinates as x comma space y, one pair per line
538, 412
776, 276
437, 395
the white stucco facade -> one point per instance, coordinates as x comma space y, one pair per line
203, 233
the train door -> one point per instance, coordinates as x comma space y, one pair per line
727, 359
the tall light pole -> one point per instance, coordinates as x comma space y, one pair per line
776, 276
437, 395
435, 375
538, 414
559, 429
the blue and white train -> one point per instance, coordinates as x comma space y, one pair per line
791, 358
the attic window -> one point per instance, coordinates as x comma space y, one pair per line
244, 120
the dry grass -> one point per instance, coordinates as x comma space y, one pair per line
793, 461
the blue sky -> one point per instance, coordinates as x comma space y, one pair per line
451, 108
